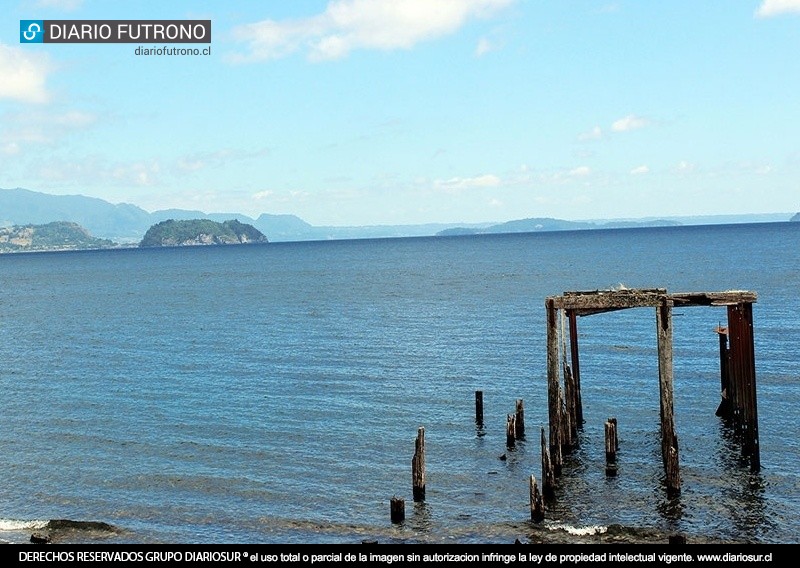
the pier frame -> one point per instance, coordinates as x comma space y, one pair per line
737, 363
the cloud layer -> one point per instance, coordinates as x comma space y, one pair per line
769, 8
348, 25
23, 75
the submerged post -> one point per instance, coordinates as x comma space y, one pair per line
611, 447
398, 510
519, 420
479, 408
418, 466
537, 503
511, 430
548, 475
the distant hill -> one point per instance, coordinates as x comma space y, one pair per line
51, 236
796, 217
192, 232
547, 224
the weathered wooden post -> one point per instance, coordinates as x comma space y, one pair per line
537, 503
575, 367
724, 408
511, 430
743, 371
548, 475
553, 385
748, 341
570, 405
611, 448
519, 420
398, 509
616, 432
669, 440
418, 466
479, 408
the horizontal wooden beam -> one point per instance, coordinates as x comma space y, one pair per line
589, 302
607, 300
728, 298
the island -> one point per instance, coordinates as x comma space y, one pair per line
55, 236
195, 232
796, 217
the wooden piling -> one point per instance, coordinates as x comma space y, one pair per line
616, 433
519, 420
611, 448
724, 408
570, 403
398, 509
548, 475
743, 377
669, 440
752, 442
575, 367
418, 466
537, 503
479, 408
511, 430
553, 386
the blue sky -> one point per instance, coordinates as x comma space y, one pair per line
364, 112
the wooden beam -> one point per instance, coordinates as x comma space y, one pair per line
599, 301
607, 300
728, 298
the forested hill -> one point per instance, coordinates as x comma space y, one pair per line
193, 232
59, 235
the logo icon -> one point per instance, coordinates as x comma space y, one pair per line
31, 31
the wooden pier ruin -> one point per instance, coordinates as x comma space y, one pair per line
737, 368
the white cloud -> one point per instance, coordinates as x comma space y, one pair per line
95, 170
594, 134
639, 170
458, 184
685, 167
580, 171
630, 122
347, 25
769, 8
23, 74
42, 127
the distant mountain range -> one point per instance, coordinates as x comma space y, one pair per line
126, 223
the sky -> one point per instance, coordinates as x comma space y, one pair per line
388, 112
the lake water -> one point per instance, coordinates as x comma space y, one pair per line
272, 393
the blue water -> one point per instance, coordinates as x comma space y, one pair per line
272, 393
